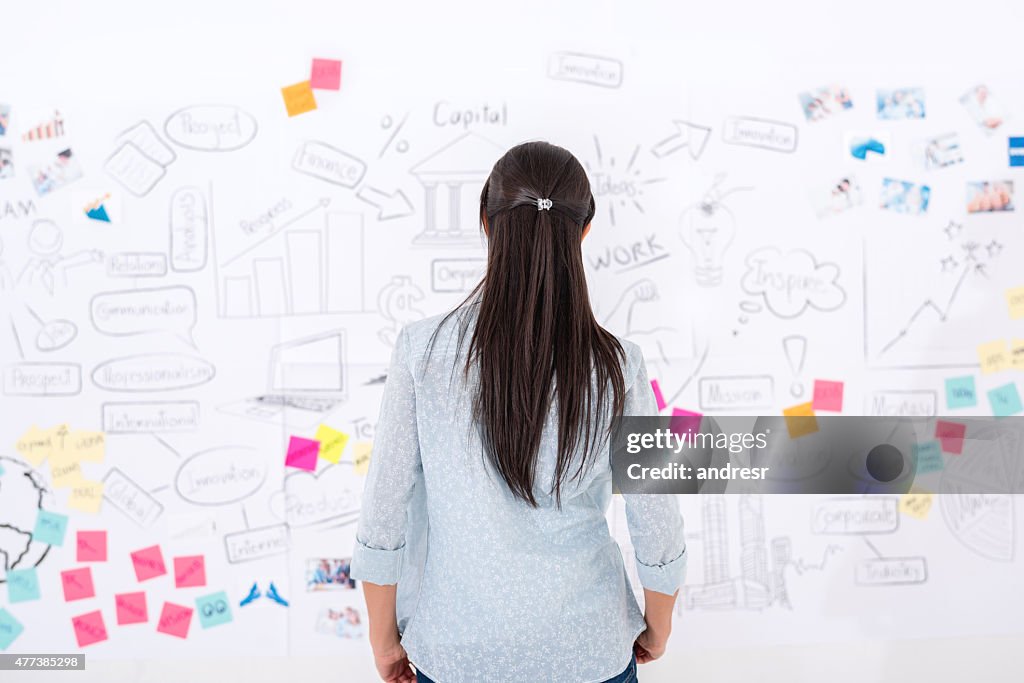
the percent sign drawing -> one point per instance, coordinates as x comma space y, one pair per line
388, 123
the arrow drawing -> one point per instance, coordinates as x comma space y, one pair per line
394, 205
689, 136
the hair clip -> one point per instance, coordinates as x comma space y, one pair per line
543, 204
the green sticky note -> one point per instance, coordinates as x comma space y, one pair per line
960, 392
214, 609
22, 585
929, 456
50, 528
10, 629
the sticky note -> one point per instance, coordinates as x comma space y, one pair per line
800, 420
85, 445
828, 396
361, 456
1015, 299
1017, 354
658, 397
929, 456
298, 98
960, 392
1005, 400
148, 563
77, 584
64, 473
131, 608
325, 74
685, 421
214, 609
86, 496
35, 445
332, 443
993, 357
951, 436
302, 453
89, 628
916, 502
10, 629
189, 570
175, 620
50, 527
22, 585
92, 546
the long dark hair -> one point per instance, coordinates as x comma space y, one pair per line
536, 338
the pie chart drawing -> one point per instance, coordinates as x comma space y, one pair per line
977, 503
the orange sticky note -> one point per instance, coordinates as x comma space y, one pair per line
298, 98
800, 420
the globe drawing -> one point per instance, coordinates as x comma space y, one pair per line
23, 492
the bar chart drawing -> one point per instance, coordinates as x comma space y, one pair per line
302, 270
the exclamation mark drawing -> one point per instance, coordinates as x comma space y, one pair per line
795, 347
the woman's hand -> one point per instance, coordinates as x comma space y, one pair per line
650, 645
393, 663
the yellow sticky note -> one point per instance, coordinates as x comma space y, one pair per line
993, 357
1015, 299
85, 445
1017, 353
362, 456
800, 420
86, 496
917, 503
332, 443
64, 473
298, 98
35, 445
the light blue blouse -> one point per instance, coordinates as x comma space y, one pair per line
490, 589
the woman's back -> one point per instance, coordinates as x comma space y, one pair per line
491, 588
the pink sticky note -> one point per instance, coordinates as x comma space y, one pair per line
685, 421
828, 396
149, 563
302, 453
131, 608
325, 74
658, 396
77, 584
89, 628
92, 546
189, 570
175, 620
951, 436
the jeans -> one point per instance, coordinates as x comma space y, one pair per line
627, 676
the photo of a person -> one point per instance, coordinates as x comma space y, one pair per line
983, 108
329, 574
994, 195
823, 102
58, 173
901, 103
903, 196
5, 118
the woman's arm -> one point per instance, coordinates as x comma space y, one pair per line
388, 653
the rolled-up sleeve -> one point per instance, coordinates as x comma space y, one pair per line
394, 468
655, 524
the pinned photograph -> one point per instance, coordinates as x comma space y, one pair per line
329, 574
56, 174
939, 151
867, 146
903, 196
5, 118
990, 195
345, 622
983, 108
47, 129
824, 102
841, 195
6, 163
900, 103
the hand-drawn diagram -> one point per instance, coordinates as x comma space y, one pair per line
790, 283
23, 494
452, 177
689, 136
47, 269
397, 303
707, 229
211, 127
616, 185
140, 159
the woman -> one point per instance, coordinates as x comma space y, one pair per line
486, 495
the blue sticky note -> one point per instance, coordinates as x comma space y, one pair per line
50, 528
929, 456
1005, 400
22, 585
960, 392
10, 629
214, 609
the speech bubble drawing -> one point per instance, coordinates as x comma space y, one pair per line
220, 476
146, 311
211, 127
792, 282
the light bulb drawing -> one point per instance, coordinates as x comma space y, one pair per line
707, 228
